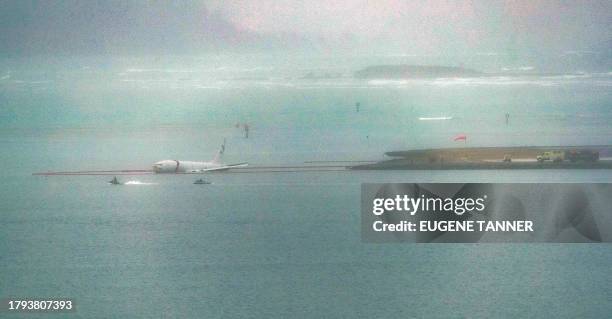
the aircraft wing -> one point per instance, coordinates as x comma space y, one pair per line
219, 168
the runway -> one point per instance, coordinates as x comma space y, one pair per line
404, 164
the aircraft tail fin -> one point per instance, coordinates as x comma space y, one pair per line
217, 158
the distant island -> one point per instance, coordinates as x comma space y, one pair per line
403, 71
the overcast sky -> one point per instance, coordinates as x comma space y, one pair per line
128, 27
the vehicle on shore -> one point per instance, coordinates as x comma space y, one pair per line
570, 155
582, 155
553, 156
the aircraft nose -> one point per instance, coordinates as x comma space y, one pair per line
156, 168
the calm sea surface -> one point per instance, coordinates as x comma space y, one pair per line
275, 245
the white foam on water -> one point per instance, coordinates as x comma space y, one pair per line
490, 81
387, 82
440, 118
155, 70
138, 183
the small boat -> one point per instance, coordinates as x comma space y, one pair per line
114, 181
201, 182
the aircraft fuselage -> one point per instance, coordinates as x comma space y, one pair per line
176, 166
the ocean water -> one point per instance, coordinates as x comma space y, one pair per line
275, 245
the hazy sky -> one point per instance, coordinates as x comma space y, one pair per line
430, 25
128, 27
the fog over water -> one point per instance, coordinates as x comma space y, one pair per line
122, 84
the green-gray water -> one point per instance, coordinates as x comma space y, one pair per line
275, 245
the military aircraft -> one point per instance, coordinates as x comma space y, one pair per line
177, 166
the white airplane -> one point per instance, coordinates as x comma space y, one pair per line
191, 167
